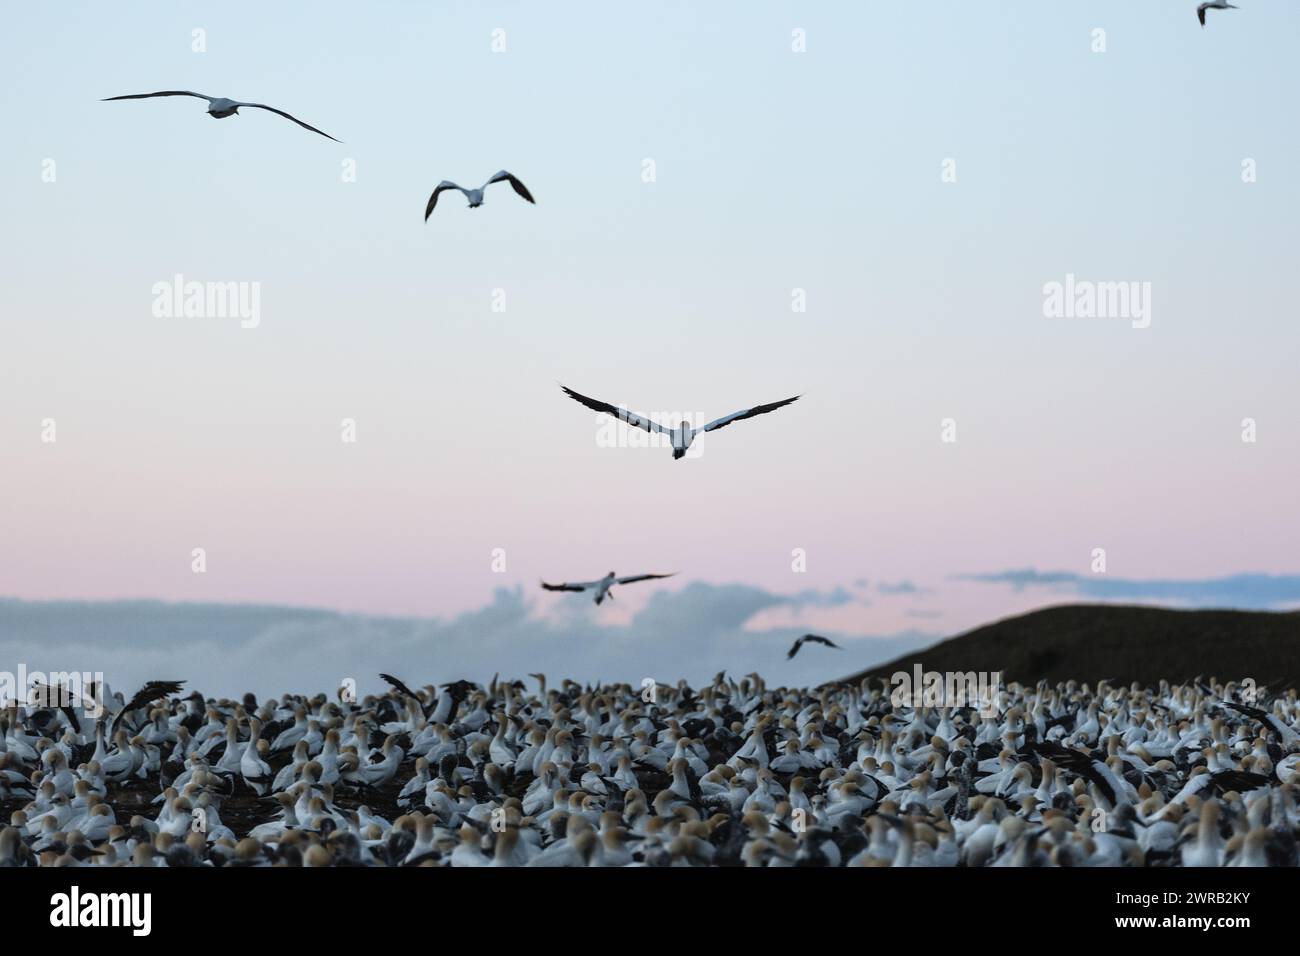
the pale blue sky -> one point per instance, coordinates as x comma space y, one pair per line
775, 170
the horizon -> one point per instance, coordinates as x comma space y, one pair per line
689, 633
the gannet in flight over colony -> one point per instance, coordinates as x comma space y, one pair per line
219, 107
683, 434
814, 638
475, 196
604, 584
1213, 5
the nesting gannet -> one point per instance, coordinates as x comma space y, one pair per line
728, 773
252, 767
219, 107
475, 196
604, 585
683, 434
814, 638
1212, 5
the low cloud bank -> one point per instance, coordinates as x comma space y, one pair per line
1251, 592
227, 650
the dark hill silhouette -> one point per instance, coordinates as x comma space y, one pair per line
1122, 643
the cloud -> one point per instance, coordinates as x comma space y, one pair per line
812, 598
900, 587
1021, 579
227, 650
1247, 591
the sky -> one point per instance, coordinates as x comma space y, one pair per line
860, 203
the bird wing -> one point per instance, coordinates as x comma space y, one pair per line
58, 695
1200, 13
1239, 780
794, 649
272, 109
818, 639
580, 586
622, 414
520, 188
1260, 715
1078, 763
145, 96
146, 695
433, 200
641, 577
1265, 718
747, 413
399, 686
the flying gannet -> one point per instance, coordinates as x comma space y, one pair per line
219, 107
683, 434
1213, 5
814, 638
604, 585
475, 196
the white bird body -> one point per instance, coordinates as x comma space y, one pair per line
234, 752
603, 586
255, 771
96, 824
1207, 848
289, 772
291, 735
221, 107
379, 773
499, 751
469, 852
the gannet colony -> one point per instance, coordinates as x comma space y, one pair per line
734, 773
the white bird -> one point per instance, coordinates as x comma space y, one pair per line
682, 435
219, 107
475, 196
1213, 5
603, 586
255, 771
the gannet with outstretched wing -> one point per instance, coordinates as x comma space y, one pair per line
813, 638
683, 434
219, 107
603, 586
